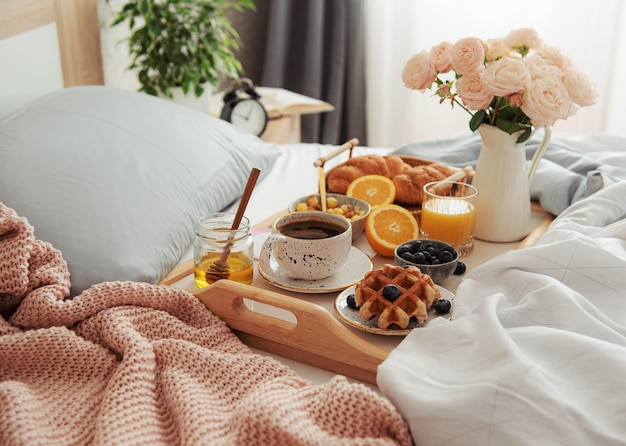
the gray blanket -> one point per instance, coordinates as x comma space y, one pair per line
572, 168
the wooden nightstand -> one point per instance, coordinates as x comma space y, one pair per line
284, 108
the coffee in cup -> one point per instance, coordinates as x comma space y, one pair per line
308, 245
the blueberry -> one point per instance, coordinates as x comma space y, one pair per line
445, 256
419, 258
391, 292
408, 256
451, 250
442, 306
460, 268
416, 246
405, 248
351, 301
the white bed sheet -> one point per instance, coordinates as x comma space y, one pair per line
536, 349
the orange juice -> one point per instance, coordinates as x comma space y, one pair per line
448, 219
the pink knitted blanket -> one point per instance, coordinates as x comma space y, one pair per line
128, 363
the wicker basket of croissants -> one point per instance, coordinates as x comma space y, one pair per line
409, 174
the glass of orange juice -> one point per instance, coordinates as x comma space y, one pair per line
449, 214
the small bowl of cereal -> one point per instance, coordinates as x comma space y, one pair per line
353, 209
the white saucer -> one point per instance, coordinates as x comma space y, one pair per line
356, 266
352, 318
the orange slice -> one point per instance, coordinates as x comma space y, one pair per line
388, 226
374, 189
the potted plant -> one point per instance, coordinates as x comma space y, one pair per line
181, 43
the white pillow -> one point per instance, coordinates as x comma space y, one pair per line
116, 179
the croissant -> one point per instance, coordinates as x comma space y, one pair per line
408, 180
396, 165
340, 177
410, 185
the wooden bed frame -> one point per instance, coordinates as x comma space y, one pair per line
317, 337
78, 33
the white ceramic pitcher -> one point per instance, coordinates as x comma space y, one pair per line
502, 179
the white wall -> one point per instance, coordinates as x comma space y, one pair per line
114, 46
31, 67
31, 64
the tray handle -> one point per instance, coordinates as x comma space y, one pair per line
316, 338
349, 145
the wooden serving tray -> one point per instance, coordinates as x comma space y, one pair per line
317, 337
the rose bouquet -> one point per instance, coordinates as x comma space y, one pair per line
514, 82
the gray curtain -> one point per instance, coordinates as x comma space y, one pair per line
316, 48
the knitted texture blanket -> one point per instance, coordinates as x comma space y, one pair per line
132, 363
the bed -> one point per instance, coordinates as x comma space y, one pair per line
98, 182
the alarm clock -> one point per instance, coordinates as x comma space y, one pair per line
243, 108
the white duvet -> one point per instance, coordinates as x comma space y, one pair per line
536, 350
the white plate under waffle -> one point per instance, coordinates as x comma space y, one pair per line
352, 318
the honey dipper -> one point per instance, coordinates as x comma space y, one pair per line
220, 268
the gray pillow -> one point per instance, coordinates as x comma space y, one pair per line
116, 179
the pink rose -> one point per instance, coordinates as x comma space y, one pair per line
540, 67
473, 91
515, 100
524, 37
443, 91
506, 76
496, 49
555, 56
546, 100
419, 73
579, 87
467, 55
440, 57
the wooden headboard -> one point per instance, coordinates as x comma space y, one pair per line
78, 33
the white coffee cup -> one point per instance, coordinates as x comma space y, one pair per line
308, 245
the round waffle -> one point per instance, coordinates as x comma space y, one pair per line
417, 295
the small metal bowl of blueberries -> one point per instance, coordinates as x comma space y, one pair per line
436, 258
